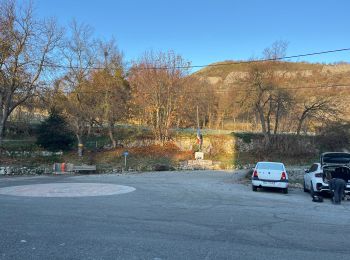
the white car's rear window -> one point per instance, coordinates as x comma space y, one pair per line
270, 166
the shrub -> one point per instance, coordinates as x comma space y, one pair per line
246, 137
161, 167
334, 136
54, 134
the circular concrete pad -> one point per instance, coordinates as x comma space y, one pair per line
66, 190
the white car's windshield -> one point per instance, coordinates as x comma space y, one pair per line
270, 166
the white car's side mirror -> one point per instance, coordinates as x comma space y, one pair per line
306, 170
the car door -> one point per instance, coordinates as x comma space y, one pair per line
308, 175
307, 178
311, 174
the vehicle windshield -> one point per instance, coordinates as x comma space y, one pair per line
270, 166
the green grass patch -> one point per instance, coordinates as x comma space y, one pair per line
27, 144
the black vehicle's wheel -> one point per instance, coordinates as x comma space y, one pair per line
254, 188
285, 190
305, 189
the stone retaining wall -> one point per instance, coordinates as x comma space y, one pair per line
13, 170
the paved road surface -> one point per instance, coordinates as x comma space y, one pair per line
171, 215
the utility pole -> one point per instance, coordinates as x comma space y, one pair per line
197, 118
199, 135
106, 55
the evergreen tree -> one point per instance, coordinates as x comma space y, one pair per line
54, 134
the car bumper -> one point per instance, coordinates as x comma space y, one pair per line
325, 189
272, 184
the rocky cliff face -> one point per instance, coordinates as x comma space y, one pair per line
230, 74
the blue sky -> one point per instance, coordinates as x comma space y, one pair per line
208, 31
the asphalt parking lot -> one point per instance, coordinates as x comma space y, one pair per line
166, 215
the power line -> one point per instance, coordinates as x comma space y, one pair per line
209, 65
272, 59
219, 91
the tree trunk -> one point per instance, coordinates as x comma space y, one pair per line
263, 126
89, 130
277, 118
268, 124
3, 119
262, 120
210, 119
2, 130
157, 125
276, 125
219, 121
111, 134
80, 145
268, 118
301, 121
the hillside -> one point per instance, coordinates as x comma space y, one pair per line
306, 83
226, 73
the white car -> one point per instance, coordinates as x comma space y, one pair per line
270, 174
332, 165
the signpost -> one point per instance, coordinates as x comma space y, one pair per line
199, 155
126, 153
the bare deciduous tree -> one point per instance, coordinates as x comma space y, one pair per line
79, 54
276, 51
26, 48
319, 108
114, 92
196, 93
265, 93
157, 82
258, 95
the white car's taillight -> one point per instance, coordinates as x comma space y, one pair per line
283, 176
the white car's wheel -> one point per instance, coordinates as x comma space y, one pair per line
312, 192
305, 189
